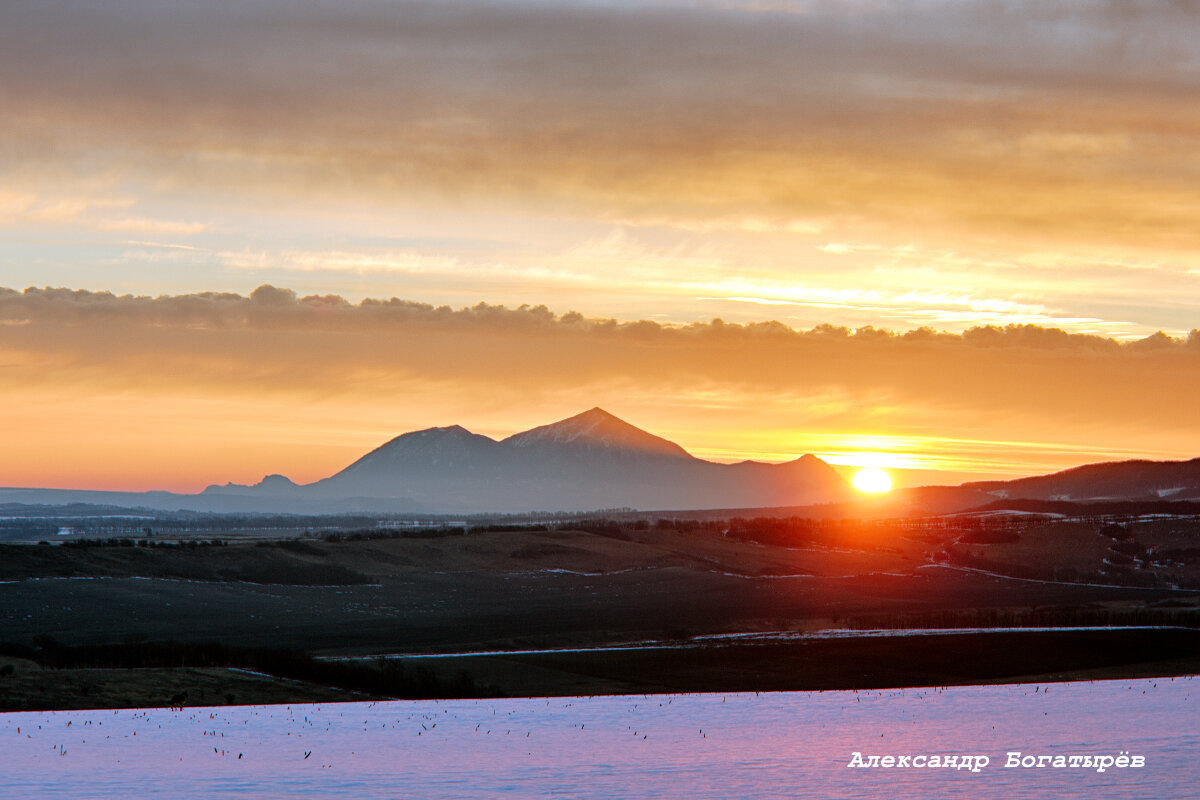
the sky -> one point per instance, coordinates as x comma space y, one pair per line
956, 238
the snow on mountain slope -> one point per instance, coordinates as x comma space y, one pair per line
594, 432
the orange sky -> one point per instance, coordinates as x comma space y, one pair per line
637, 168
181, 391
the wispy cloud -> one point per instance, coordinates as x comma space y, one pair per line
933, 112
163, 245
151, 226
405, 261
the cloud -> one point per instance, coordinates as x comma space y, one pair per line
1030, 119
379, 260
147, 225
218, 338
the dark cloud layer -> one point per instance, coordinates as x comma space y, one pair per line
273, 308
273, 341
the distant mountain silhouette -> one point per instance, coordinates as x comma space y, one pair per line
590, 461
594, 461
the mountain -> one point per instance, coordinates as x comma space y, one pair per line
1116, 480
590, 461
594, 461
271, 484
432, 456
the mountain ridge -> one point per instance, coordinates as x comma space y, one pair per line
594, 461
1132, 479
589, 461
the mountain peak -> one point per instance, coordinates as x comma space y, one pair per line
448, 430
450, 447
277, 481
597, 430
427, 436
269, 483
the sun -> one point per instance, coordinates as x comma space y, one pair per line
872, 480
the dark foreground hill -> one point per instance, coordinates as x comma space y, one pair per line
1137, 480
601, 606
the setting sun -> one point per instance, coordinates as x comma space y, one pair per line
872, 480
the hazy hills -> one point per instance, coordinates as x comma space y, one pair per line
1118, 480
595, 461
588, 462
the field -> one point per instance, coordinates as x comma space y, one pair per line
660, 586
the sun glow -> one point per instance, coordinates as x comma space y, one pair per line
872, 480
